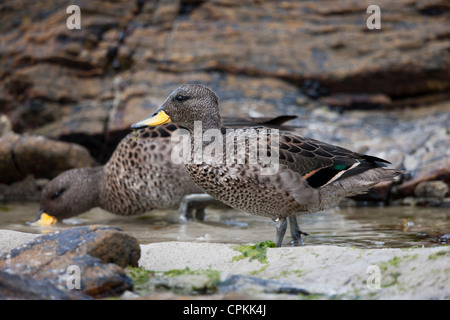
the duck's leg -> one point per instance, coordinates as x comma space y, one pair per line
195, 201
200, 214
296, 232
281, 230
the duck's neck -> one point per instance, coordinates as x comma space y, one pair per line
94, 185
205, 137
212, 120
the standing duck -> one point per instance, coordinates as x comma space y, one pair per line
307, 175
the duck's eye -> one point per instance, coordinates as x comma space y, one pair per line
181, 98
56, 194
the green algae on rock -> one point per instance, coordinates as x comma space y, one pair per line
179, 281
256, 251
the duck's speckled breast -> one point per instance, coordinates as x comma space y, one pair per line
140, 175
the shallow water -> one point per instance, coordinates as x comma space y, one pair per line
364, 227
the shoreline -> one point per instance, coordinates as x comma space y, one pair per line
325, 271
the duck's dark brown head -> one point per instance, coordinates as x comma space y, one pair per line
71, 193
185, 105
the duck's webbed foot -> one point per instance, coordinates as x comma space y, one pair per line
296, 232
194, 202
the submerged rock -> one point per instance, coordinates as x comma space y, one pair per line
97, 254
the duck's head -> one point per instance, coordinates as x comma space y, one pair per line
69, 194
185, 105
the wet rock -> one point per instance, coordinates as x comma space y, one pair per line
206, 282
319, 49
47, 158
99, 253
39, 156
8, 169
43, 49
357, 101
428, 193
27, 189
183, 284
437, 170
17, 287
243, 283
431, 189
83, 125
340, 52
433, 7
144, 91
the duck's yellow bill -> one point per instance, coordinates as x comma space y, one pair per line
45, 220
155, 119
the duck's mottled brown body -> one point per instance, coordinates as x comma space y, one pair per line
311, 175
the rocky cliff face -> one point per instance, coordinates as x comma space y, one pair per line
88, 85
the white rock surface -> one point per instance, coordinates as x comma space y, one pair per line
327, 271
332, 271
10, 239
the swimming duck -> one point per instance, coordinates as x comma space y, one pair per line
138, 178
307, 175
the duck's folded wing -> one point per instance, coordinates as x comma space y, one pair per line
320, 163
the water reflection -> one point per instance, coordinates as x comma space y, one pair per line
366, 227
